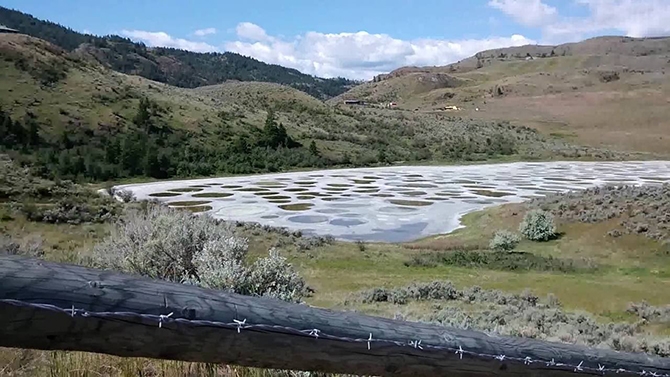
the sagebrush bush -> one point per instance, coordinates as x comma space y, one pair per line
538, 225
522, 315
504, 240
169, 244
126, 196
73, 210
32, 247
642, 209
648, 312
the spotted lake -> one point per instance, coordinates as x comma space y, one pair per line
390, 204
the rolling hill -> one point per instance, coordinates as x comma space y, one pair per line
172, 66
610, 92
73, 117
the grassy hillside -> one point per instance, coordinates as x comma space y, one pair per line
74, 118
171, 66
610, 92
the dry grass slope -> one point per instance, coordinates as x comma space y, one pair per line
64, 91
611, 92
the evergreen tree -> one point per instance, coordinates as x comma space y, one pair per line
313, 149
33, 132
143, 116
6, 130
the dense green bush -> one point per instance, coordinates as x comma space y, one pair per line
504, 240
169, 244
73, 211
538, 225
515, 261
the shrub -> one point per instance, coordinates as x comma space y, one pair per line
126, 196
361, 245
504, 240
174, 245
32, 247
521, 315
538, 225
73, 210
500, 261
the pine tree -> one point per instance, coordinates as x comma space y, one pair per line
142, 118
6, 126
313, 149
34, 139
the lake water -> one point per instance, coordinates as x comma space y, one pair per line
390, 204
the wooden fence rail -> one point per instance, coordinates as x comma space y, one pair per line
51, 306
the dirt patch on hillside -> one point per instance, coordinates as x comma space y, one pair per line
631, 121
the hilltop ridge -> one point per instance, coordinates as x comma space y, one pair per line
171, 66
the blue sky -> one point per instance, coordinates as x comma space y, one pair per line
354, 38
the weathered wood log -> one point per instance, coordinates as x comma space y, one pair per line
119, 314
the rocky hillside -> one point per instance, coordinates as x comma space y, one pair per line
167, 65
609, 92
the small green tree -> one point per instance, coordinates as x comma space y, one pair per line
538, 225
313, 149
504, 240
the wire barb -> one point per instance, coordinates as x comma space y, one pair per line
240, 324
579, 368
459, 352
314, 333
162, 318
369, 340
416, 344
527, 360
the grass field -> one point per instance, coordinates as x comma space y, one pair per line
631, 268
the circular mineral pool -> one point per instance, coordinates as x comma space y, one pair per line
308, 219
242, 210
331, 210
347, 222
395, 209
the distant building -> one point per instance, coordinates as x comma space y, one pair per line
353, 102
5, 29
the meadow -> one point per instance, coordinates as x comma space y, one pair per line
587, 285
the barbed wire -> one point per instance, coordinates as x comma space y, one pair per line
240, 325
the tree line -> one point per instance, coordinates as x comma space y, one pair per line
148, 147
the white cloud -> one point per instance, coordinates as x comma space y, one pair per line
634, 18
205, 32
162, 39
531, 13
359, 55
251, 31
